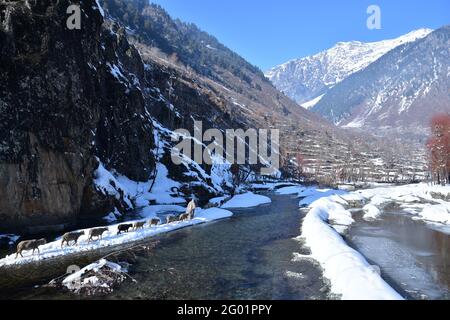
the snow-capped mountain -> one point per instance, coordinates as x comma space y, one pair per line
402, 90
305, 80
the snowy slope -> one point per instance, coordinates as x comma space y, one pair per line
313, 102
307, 78
400, 91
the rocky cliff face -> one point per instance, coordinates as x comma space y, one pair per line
66, 98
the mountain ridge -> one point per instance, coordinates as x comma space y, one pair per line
402, 90
305, 79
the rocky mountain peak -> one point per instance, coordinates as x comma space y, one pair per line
307, 78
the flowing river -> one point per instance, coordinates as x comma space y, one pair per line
248, 256
414, 256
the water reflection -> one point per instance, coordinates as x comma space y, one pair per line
409, 251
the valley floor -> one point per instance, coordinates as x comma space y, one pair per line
326, 222
247, 256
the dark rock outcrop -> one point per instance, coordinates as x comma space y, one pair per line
66, 98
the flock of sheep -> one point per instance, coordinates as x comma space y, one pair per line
97, 233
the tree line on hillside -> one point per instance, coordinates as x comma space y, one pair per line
350, 164
194, 48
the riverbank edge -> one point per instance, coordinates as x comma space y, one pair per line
350, 274
53, 250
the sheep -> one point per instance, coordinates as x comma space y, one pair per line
171, 218
190, 210
184, 216
154, 222
138, 225
71, 236
97, 233
124, 228
28, 245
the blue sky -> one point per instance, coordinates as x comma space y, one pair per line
270, 32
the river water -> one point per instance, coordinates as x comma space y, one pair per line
414, 256
248, 256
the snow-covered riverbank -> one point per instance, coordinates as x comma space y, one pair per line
349, 272
351, 276
429, 203
111, 238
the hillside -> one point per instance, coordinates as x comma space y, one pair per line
184, 45
248, 96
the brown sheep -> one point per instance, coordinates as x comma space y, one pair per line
124, 228
184, 217
71, 236
97, 233
154, 222
171, 218
138, 225
28, 245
